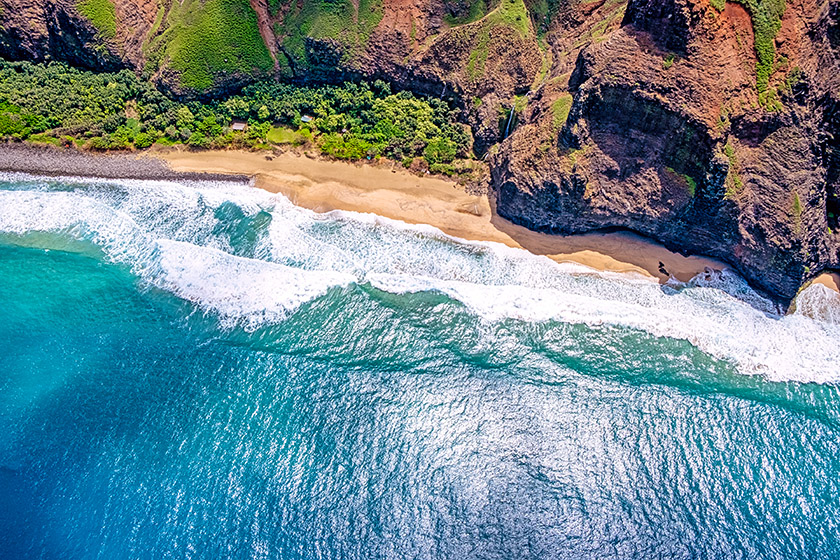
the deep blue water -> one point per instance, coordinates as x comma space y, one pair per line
206, 371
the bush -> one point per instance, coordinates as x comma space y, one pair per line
361, 120
198, 140
143, 140
439, 150
258, 130
100, 143
210, 127
351, 147
443, 169
13, 125
184, 118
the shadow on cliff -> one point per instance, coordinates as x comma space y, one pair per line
611, 249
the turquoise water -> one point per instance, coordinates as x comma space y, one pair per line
206, 371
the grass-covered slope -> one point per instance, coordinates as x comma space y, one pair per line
205, 41
198, 45
338, 20
101, 14
509, 14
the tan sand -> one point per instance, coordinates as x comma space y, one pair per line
388, 190
829, 280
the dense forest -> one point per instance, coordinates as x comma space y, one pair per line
57, 104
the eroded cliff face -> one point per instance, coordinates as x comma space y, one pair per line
465, 50
667, 135
42, 30
671, 118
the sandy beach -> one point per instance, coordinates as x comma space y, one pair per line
389, 190
384, 188
830, 280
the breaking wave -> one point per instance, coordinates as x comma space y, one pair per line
252, 258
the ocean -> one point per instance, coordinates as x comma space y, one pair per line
204, 370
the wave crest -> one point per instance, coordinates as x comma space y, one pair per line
253, 258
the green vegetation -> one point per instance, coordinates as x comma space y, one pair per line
285, 135
330, 19
511, 14
560, 111
369, 15
543, 12
770, 100
57, 104
101, 14
203, 39
509, 116
477, 10
690, 183
155, 26
796, 207
792, 78
734, 184
440, 150
668, 61
598, 32
766, 18
796, 213
356, 120
17, 124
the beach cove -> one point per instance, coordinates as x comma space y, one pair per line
383, 188
386, 189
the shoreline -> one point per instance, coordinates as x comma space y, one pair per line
384, 188
50, 161
388, 190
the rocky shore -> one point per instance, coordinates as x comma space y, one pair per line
52, 161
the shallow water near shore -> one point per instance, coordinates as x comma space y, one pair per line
204, 370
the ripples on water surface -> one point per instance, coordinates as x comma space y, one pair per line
206, 371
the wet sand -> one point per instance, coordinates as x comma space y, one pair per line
388, 190
829, 280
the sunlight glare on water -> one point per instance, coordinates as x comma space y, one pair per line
207, 371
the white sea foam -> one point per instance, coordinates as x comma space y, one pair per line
236, 287
723, 317
140, 230
172, 236
793, 347
27, 212
819, 303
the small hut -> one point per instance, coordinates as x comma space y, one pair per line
238, 125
